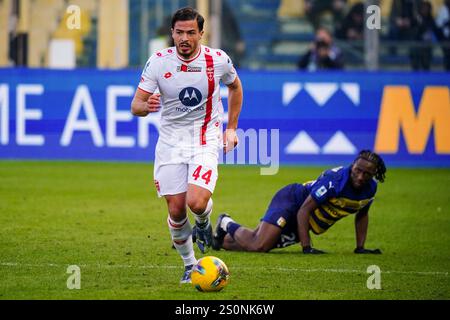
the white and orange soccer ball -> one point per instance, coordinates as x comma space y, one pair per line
210, 274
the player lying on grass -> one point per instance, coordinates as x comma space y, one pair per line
316, 206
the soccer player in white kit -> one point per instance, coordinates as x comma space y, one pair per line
183, 81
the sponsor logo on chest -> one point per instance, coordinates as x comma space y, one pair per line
186, 68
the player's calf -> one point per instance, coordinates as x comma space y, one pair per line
203, 229
181, 232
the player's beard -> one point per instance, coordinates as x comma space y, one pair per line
187, 54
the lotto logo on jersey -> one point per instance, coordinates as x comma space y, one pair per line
190, 96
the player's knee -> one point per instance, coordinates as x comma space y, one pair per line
258, 247
197, 206
262, 248
177, 211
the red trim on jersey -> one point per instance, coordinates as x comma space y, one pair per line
144, 90
190, 60
211, 84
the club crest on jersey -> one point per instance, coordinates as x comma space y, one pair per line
210, 73
186, 68
190, 96
321, 191
281, 222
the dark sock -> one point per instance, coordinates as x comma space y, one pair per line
232, 227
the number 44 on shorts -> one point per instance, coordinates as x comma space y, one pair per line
206, 176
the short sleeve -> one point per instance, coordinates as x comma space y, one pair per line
149, 77
373, 190
229, 72
366, 208
323, 189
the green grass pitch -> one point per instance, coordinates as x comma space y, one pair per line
106, 219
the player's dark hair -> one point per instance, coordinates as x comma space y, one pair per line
370, 156
187, 14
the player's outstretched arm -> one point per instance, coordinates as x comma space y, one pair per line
235, 97
144, 102
303, 225
361, 226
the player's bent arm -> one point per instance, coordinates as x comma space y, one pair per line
303, 220
361, 226
139, 106
235, 98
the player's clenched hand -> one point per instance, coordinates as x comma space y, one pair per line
309, 250
230, 140
154, 103
363, 250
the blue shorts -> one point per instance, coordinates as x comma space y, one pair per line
282, 212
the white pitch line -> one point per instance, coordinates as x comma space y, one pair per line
126, 266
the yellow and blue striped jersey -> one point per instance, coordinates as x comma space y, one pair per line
337, 198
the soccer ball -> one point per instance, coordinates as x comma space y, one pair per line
210, 274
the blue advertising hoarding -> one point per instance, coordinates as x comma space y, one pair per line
305, 118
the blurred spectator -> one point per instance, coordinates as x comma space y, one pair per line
402, 20
352, 27
231, 40
315, 8
163, 37
426, 33
443, 23
291, 9
323, 54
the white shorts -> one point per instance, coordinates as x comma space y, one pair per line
173, 179
199, 168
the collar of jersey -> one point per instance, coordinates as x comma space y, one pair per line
190, 60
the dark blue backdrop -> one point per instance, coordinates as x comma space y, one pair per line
321, 117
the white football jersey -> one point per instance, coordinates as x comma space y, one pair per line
191, 107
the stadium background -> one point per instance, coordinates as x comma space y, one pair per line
65, 93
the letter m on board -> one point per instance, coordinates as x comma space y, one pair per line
397, 115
